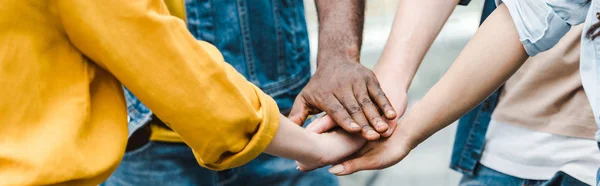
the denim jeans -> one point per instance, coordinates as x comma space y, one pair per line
485, 176
164, 164
598, 178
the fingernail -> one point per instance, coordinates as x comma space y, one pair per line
336, 169
354, 126
391, 113
372, 133
381, 124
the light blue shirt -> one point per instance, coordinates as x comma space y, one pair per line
542, 23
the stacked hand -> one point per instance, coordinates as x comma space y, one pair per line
331, 147
347, 157
350, 94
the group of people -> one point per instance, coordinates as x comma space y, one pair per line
197, 92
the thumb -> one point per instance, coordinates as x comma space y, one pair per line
299, 111
400, 109
322, 124
353, 165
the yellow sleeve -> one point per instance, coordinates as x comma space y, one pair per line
225, 119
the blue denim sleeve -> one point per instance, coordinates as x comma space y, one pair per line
542, 23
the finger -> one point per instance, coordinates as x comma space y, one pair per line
400, 109
382, 101
334, 108
392, 124
299, 111
353, 165
370, 109
321, 124
356, 112
305, 168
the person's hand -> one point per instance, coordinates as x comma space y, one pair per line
333, 146
374, 155
395, 90
396, 94
349, 93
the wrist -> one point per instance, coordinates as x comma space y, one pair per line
318, 152
407, 136
393, 73
327, 55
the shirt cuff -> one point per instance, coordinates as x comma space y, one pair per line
539, 27
258, 143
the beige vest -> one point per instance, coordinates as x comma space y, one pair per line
546, 93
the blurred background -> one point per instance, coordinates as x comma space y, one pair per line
428, 163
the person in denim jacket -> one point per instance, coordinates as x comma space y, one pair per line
267, 42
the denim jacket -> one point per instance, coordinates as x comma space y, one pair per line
264, 40
540, 25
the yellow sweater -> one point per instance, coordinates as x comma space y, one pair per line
62, 112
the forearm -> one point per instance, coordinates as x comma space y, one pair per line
186, 83
415, 27
340, 30
293, 142
488, 60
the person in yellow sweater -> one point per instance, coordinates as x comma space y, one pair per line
62, 108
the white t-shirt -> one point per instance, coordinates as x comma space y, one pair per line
528, 154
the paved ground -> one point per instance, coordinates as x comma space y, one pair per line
428, 163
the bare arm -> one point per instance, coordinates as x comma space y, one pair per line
493, 55
340, 30
310, 149
416, 25
488, 60
342, 87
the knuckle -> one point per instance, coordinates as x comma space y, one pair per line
334, 109
368, 78
353, 110
366, 128
386, 106
379, 93
348, 120
365, 102
350, 166
375, 119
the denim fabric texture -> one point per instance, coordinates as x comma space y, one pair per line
164, 164
267, 42
264, 40
472, 127
489, 177
138, 113
539, 26
464, 2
